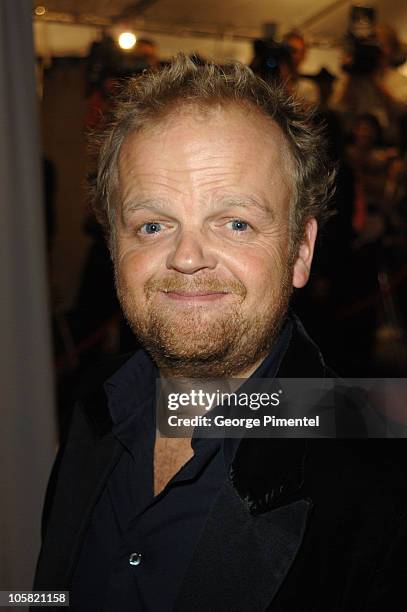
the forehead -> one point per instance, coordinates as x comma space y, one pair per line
217, 139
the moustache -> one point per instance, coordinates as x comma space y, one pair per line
198, 285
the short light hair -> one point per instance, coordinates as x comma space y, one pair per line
146, 99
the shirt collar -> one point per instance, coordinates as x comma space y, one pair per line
131, 387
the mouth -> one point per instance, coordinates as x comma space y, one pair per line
194, 296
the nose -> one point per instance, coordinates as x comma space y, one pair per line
191, 253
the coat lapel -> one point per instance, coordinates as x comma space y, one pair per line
242, 559
253, 532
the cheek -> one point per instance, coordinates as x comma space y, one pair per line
261, 269
135, 267
263, 262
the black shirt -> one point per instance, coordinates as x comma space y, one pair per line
138, 547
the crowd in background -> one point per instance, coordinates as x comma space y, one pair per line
355, 302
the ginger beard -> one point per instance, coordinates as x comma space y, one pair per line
194, 340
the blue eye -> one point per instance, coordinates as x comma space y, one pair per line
150, 228
239, 226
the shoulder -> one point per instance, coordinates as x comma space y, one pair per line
367, 474
93, 379
89, 419
89, 396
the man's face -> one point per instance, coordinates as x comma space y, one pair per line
298, 50
203, 243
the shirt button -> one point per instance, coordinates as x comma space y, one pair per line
135, 558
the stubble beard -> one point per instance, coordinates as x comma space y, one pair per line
194, 342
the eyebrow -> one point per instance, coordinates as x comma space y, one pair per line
247, 202
140, 203
158, 204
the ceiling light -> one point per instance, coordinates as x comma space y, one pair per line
127, 40
40, 11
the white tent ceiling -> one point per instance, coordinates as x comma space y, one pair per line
317, 18
222, 29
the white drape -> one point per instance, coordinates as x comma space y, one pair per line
27, 432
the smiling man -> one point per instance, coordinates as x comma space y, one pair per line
211, 186
203, 258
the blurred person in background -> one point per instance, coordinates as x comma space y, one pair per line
272, 61
379, 172
371, 83
301, 86
279, 63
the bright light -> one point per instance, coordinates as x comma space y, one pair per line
127, 40
40, 10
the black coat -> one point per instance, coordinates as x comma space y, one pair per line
301, 525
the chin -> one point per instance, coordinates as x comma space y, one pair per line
206, 342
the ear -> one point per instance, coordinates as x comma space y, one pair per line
302, 265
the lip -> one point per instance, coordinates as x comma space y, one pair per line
183, 296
